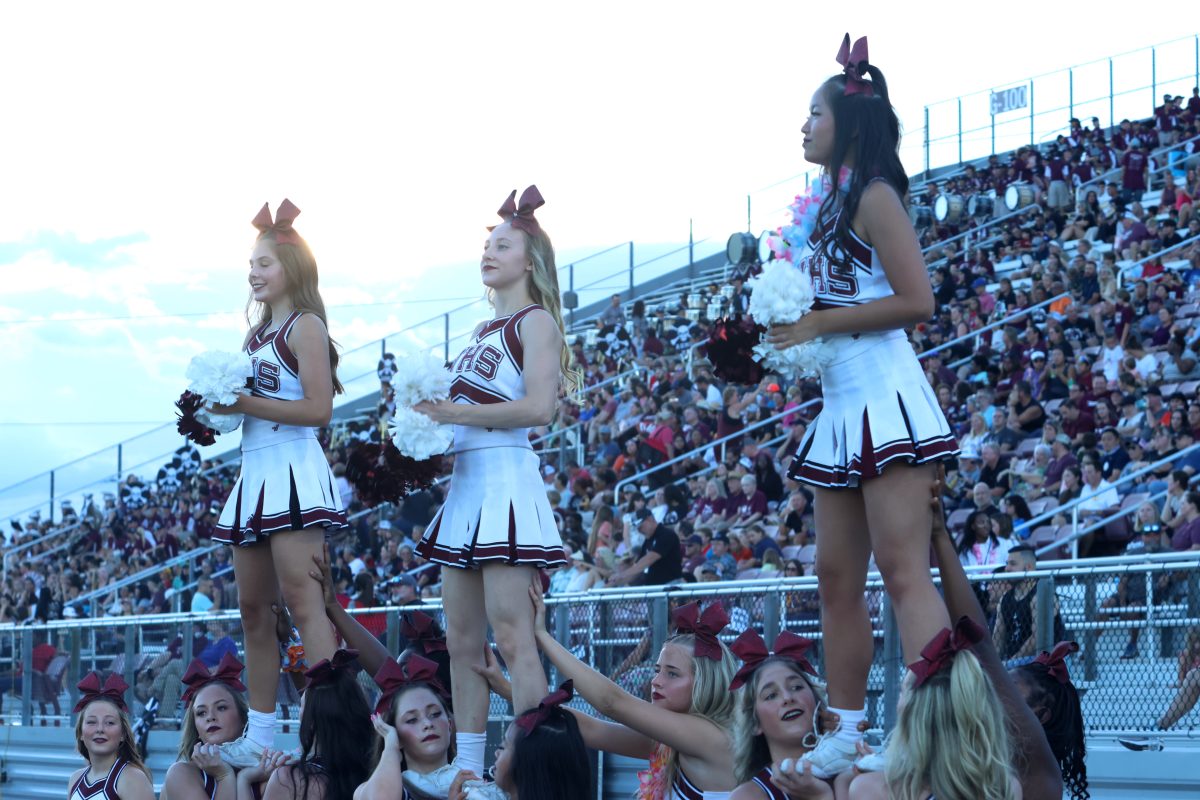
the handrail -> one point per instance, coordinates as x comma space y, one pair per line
1140, 262
1102, 178
129, 580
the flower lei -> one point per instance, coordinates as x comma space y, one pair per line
784, 291
652, 782
790, 242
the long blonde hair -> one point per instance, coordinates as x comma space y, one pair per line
750, 750
950, 738
189, 736
711, 697
543, 290
300, 268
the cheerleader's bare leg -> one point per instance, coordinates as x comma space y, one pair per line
900, 527
293, 553
466, 638
843, 552
512, 627
257, 585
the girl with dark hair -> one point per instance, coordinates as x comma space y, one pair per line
979, 545
104, 737
542, 755
496, 528
870, 451
1046, 685
285, 499
337, 740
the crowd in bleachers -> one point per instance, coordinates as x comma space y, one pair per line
1059, 404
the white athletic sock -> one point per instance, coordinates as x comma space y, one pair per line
470, 751
848, 731
261, 728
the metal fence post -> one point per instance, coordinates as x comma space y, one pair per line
27, 677
131, 651
892, 658
393, 630
1153, 79
1032, 137
1112, 120
1045, 621
52, 492
691, 248
446, 333
631, 269
188, 636
993, 116
74, 639
771, 615
562, 631
749, 223
960, 130
1071, 92
659, 612
1091, 635
120, 460
927, 141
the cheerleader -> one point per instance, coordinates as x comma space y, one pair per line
496, 528
285, 499
214, 713
869, 453
104, 737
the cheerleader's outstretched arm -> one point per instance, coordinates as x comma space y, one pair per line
309, 341
543, 345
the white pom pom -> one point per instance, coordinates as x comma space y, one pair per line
221, 423
420, 376
218, 376
417, 436
781, 294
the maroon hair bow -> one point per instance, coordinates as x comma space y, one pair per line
1056, 660
229, 672
392, 677
281, 226
944, 647
520, 215
417, 626
325, 671
705, 627
534, 717
752, 650
854, 64
91, 689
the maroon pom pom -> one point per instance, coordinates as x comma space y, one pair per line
730, 348
382, 474
195, 430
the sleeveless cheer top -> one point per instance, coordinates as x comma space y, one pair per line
763, 779
103, 789
682, 788
276, 373
491, 370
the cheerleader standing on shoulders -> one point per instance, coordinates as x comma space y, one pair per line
285, 499
104, 736
496, 528
869, 453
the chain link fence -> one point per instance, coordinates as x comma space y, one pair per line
1137, 622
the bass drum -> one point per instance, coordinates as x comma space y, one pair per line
921, 216
948, 208
1017, 196
980, 205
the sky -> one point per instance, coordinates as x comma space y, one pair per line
141, 138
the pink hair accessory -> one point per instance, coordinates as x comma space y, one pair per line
854, 64
520, 215
281, 225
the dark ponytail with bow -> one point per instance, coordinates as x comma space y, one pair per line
1055, 702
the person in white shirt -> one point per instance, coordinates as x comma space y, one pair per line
1095, 497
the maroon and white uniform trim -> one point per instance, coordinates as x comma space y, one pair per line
763, 779
103, 789
285, 483
496, 509
878, 405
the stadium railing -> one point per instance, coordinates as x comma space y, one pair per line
619, 632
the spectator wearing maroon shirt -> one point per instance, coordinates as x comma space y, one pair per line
1187, 535
1076, 421
1135, 172
1061, 459
747, 507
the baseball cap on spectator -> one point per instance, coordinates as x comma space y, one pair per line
1154, 390
1037, 355
720, 537
605, 429
1083, 359
1062, 438
695, 538
404, 579
641, 515
978, 283
708, 569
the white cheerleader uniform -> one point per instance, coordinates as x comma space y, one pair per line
104, 788
285, 483
878, 405
496, 510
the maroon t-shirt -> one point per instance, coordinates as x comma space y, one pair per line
1134, 175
